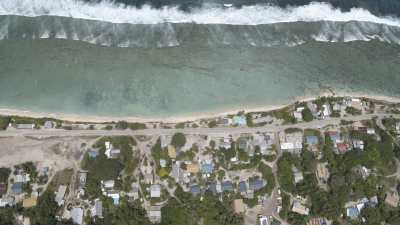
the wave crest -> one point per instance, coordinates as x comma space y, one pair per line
247, 15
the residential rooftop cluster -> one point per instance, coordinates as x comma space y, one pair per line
344, 172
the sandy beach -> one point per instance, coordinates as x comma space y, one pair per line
183, 118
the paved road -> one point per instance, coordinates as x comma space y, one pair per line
44, 133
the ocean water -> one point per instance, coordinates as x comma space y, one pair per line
111, 60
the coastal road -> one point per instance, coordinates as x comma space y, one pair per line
315, 124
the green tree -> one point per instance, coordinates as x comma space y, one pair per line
178, 140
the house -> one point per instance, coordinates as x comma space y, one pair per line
242, 187
313, 108
82, 175
322, 172
371, 131
195, 189
264, 220
297, 174
115, 196
334, 136
27, 126
358, 144
354, 208
111, 152
192, 168
207, 168
225, 143
163, 163
239, 120
312, 140
7, 201
171, 152
77, 215
227, 186
299, 208
298, 116
238, 206
291, 142
3, 188
264, 142
154, 214
317, 221
362, 171
29, 202
243, 143
48, 124
16, 188
155, 191
93, 153
256, 184
262, 119
108, 184
326, 110
60, 195
352, 212
392, 198
23, 178
356, 103
212, 187
342, 147
133, 194
176, 171
97, 210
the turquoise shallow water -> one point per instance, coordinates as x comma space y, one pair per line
80, 78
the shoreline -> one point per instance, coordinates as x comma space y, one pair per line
184, 118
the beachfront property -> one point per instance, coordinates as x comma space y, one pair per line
291, 142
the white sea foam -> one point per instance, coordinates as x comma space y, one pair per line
248, 15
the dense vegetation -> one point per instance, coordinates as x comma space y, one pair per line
188, 210
102, 168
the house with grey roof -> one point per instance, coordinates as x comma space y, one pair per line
227, 186
256, 184
242, 187
97, 210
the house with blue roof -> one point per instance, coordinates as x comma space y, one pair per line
227, 186
312, 140
239, 120
352, 212
93, 153
207, 168
16, 188
195, 189
256, 184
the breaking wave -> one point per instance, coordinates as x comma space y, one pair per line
247, 15
190, 34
